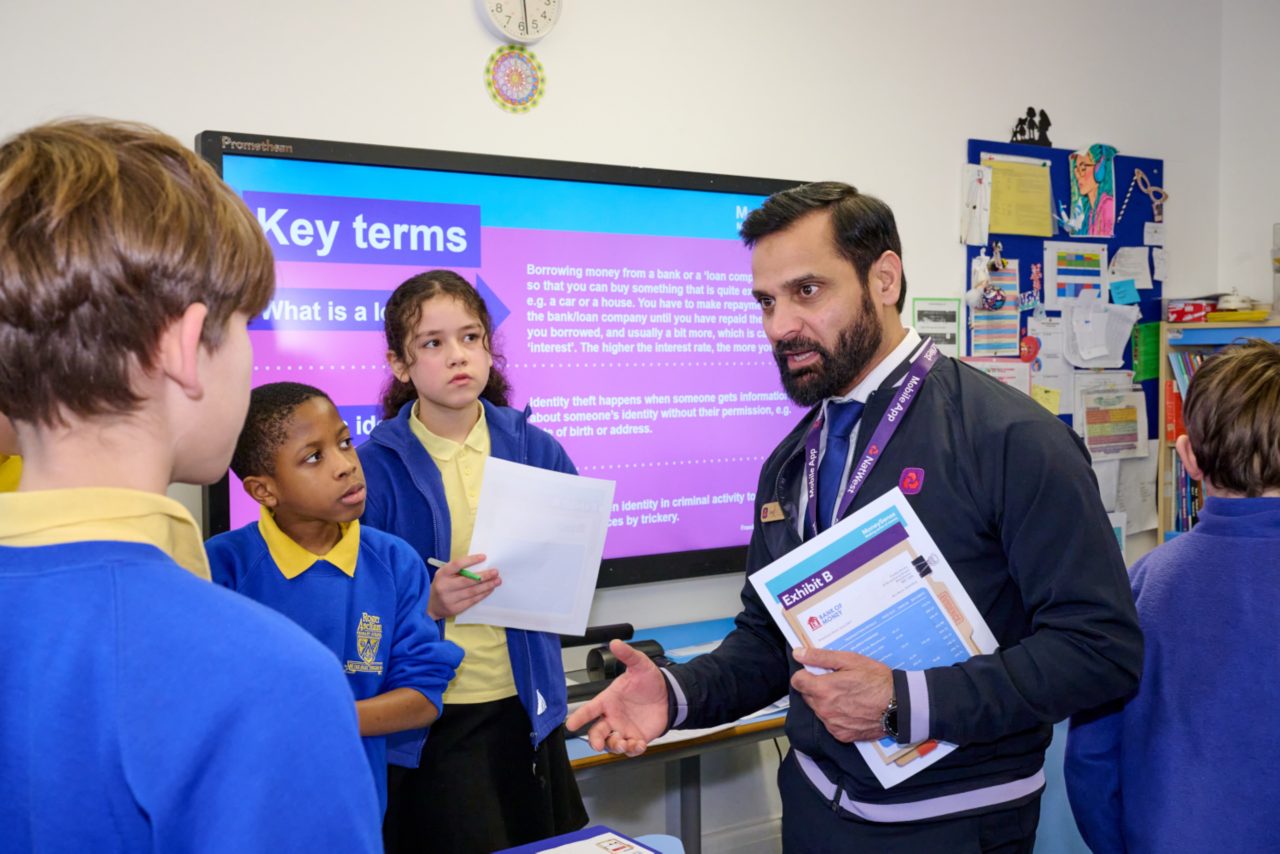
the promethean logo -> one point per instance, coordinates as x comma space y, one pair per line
264, 145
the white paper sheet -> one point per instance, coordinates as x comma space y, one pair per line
1014, 373
1153, 234
975, 213
1160, 261
1136, 495
1050, 368
1108, 474
1100, 381
1131, 262
544, 532
874, 576
607, 842
1097, 333
1087, 337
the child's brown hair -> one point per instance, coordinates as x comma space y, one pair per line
109, 231
404, 310
1232, 413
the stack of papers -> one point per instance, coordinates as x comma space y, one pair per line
1097, 333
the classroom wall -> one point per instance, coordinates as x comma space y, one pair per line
883, 95
1250, 142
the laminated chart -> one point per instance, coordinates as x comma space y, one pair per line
1113, 424
995, 331
1074, 272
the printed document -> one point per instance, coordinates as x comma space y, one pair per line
1021, 195
544, 533
876, 584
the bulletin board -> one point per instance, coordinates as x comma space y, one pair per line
1134, 210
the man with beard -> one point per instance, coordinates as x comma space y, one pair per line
1006, 492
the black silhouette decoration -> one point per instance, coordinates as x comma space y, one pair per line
1032, 129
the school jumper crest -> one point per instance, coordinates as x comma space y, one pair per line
368, 638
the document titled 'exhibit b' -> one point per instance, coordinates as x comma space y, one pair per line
876, 584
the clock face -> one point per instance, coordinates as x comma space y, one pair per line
523, 21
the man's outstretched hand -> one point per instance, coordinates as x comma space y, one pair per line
631, 712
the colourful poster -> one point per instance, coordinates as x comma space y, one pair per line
1093, 192
995, 332
1074, 272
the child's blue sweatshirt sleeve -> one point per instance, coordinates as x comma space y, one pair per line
420, 659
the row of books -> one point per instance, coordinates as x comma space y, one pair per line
1188, 497
1184, 364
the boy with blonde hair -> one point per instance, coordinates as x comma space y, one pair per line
141, 707
1188, 763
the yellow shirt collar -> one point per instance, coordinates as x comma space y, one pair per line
292, 559
10, 472
446, 449
56, 516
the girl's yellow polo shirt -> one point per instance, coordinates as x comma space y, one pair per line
485, 672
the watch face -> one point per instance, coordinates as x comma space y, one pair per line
522, 20
889, 720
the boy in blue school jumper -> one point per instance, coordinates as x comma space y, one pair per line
1189, 762
141, 707
360, 592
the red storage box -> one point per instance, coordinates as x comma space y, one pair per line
1190, 310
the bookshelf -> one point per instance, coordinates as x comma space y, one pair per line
1180, 339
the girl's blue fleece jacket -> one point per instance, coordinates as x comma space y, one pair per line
406, 495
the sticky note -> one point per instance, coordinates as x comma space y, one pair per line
1124, 292
1049, 398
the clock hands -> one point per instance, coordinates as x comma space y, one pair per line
524, 6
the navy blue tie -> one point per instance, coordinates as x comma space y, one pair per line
840, 420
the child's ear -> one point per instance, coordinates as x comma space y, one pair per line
262, 489
398, 368
178, 354
1188, 456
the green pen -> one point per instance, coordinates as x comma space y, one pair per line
465, 573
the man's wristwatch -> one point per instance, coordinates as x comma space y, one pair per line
889, 719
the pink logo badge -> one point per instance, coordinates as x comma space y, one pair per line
912, 481
815, 623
